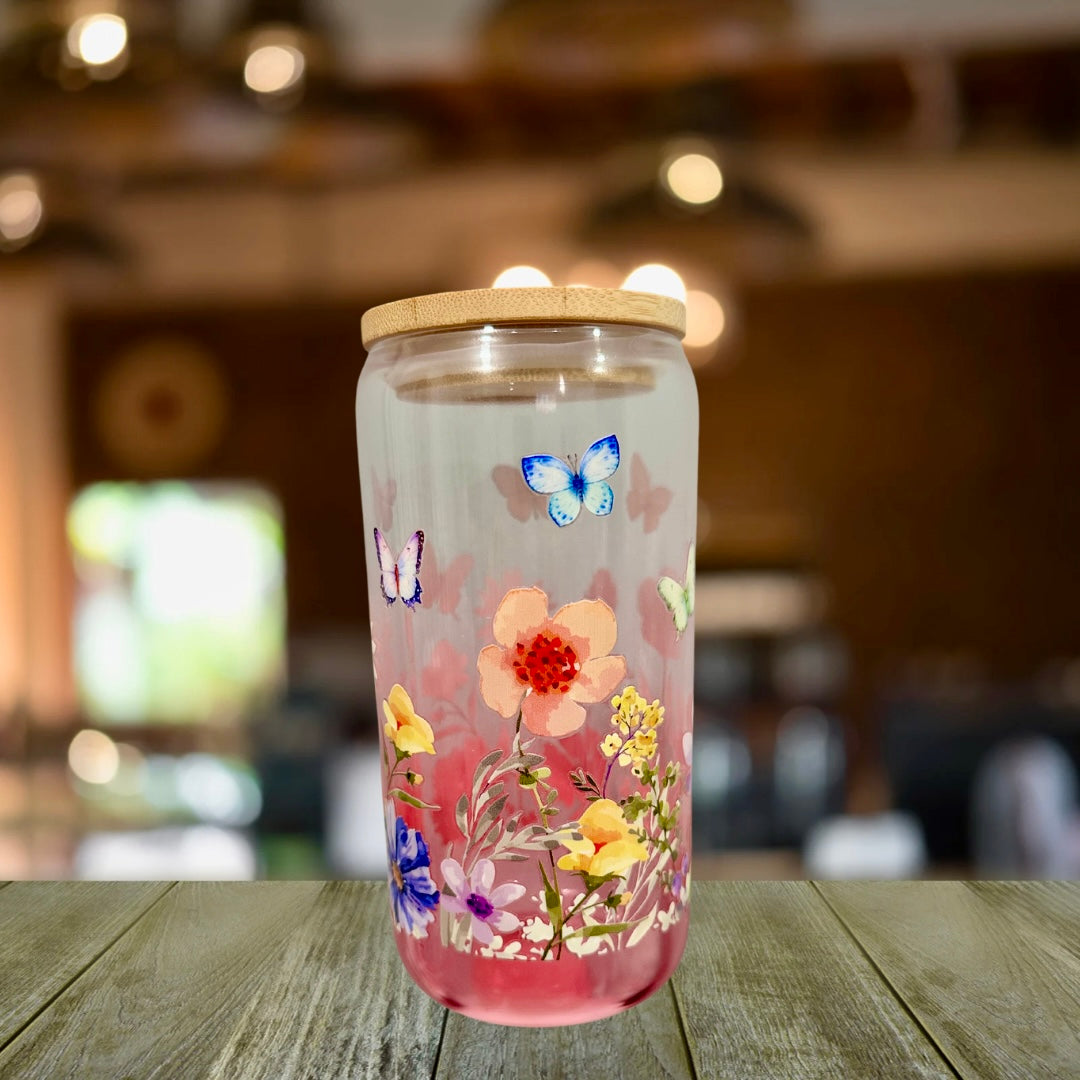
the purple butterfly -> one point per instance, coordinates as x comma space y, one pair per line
400, 577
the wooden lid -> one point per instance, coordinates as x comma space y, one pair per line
551, 304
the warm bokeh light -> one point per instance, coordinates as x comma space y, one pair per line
273, 68
521, 277
93, 757
21, 208
97, 39
656, 278
705, 319
594, 273
693, 178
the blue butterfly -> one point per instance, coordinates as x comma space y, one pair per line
570, 486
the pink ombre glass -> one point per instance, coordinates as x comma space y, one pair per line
530, 500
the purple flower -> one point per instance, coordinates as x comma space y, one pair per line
678, 882
413, 895
475, 897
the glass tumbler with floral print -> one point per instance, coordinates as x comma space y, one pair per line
528, 468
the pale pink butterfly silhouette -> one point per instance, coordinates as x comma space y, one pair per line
602, 587
446, 674
655, 618
494, 590
645, 501
443, 585
520, 501
385, 497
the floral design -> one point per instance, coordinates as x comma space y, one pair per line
474, 896
680, 881
544, 667
607, 852
607, 847
413, 895
410, 733
634, 738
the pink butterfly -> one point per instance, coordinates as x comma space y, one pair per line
642, 499
656, 621
401, 576
493, 591
444, 585
602, 587
446, 674
385, 497
519, 499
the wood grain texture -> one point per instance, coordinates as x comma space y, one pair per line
773, 986
164, 1000
550, 304
644, 1043
990, 971
51, 931
337, 1003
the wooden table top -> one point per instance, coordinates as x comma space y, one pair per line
301, 979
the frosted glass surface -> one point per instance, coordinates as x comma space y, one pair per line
443, 423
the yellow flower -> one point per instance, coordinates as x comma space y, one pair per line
644, 744
606, 847
611, 745
410, 733
414, 778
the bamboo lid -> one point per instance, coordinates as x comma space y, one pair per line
550, 304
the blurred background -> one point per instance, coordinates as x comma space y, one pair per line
873, 210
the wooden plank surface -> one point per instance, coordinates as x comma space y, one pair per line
773, 986
339, 1003
644, 1043
51, 931
164, 999
991, 971
780, 979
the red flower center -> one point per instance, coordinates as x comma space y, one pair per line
547, 664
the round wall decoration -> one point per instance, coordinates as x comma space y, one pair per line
160, 409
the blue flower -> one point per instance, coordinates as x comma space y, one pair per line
413, 895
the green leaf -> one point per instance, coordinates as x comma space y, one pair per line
492, 792
461, 812
491, 813
594, 883
485, 764
527, 780
552, 899
599, 930
401, 754
487, 837
412, 800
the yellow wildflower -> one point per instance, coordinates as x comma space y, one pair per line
607, 846
611, 745
410, 733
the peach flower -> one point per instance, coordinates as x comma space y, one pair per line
547, 666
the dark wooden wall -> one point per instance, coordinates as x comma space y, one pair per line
915, 441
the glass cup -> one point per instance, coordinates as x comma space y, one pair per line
528, 467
